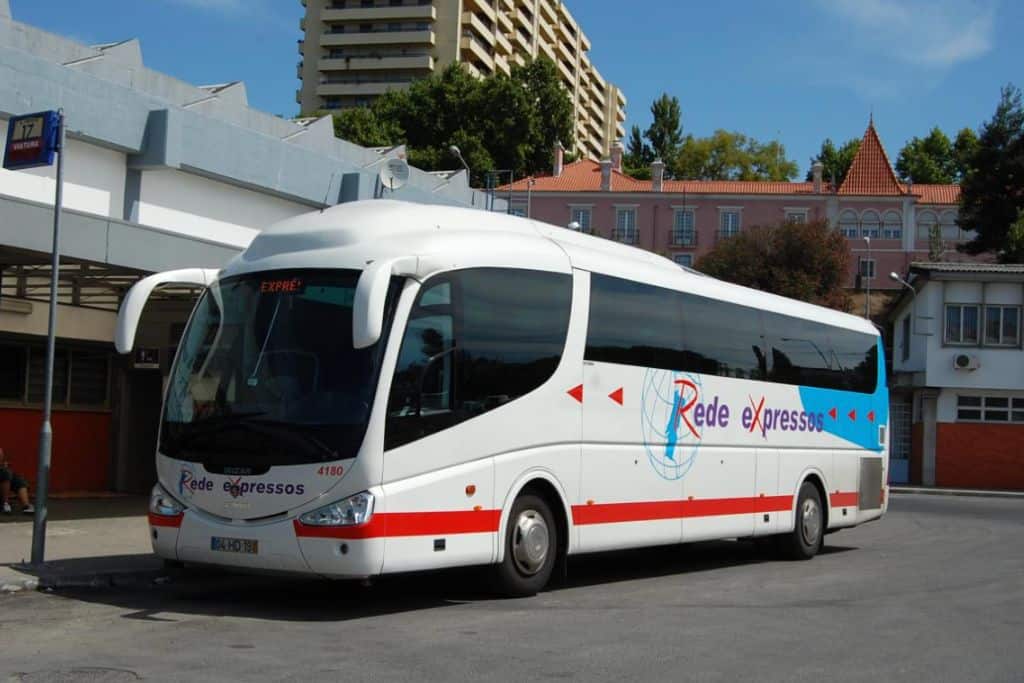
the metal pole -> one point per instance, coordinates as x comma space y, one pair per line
511, 181
46, 432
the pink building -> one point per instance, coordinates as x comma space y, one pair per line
683, 219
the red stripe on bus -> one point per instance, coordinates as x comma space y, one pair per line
164, 520
843, 500
610, 513
409, 524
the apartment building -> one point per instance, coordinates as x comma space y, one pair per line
355, 50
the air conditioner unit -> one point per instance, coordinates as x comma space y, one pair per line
963, 361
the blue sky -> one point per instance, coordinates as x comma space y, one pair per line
800, 70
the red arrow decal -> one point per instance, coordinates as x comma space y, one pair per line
616, 396
852, 415
871, 416
832, 413
576, 392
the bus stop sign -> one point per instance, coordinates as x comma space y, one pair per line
31, 140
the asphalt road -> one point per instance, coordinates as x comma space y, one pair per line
935, 591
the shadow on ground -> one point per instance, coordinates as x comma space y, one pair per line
71, 509
163, 595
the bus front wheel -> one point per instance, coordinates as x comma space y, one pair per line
809, 528
531, 548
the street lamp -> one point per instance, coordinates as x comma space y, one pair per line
454, 149
895, 277
867, 279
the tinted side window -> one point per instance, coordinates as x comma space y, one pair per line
811, 354
635, 324
476, 339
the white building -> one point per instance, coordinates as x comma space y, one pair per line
958, 376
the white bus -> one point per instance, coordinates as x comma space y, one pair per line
387, 387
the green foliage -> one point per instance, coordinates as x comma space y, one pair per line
836, 160
806, 261
666, 130
964, 149
728, 155
1014, 251
638, 157
992, 191
930, 160
496, 122
936, 245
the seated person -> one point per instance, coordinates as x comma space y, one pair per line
9, 481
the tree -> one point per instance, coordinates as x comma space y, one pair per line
992, 192
638, 157
806, 261
507, 122
930, 160
1014, 252
728, 155
836, 160
964, 149
666, 130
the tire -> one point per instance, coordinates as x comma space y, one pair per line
531, 548
808, 532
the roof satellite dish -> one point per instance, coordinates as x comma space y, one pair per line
394, 174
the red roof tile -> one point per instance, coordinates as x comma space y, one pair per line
871, 173
937, 194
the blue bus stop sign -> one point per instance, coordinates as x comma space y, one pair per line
31, 140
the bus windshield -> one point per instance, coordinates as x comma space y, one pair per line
267, 375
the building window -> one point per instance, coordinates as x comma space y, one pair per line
990, 408
870, 226
905, 334
625, 225
581, 216
925, 221
796, 216
728, 223
892, 226
950, 230
13, 365
80, 377
961, 324
867, 268
684, 260
848, 224
1002, 326
683, 232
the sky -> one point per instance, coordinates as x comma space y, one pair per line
796, 70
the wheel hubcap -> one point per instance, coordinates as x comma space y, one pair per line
811, 522
530, 542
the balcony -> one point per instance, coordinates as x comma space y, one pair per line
363, 14
371, 62
484, 30
302, 47
547, 8
377, 38
482, 6
547, 33
502, 44
683, 238
359, 88
549, 51
627, 236
470, 43
724, 234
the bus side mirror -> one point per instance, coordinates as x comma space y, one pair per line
131, 308
371, 296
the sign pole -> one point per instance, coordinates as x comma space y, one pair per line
46, 432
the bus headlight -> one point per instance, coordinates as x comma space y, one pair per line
161, 503
355, 509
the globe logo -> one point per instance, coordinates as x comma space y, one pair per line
669, 437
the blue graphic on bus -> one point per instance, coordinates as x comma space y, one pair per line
669, 433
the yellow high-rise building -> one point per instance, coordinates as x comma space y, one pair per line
355, 50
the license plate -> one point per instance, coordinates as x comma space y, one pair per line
223, 544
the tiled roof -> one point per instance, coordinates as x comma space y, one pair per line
937, 194
871, 173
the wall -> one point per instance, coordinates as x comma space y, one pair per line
80, 459
984, 456
73, 322
93, 179
199, 207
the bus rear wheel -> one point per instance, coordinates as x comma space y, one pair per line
531, 548
809, 529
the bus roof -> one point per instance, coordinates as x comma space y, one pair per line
352, 234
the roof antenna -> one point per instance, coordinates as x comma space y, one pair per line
328, 192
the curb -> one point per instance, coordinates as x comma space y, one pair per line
973, 493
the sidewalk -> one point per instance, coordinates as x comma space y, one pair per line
935, 491
89, 541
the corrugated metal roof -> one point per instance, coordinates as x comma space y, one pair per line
969, 267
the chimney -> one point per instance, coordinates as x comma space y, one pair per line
817, 168
657, 175
559, 159
617, 151
606, 175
